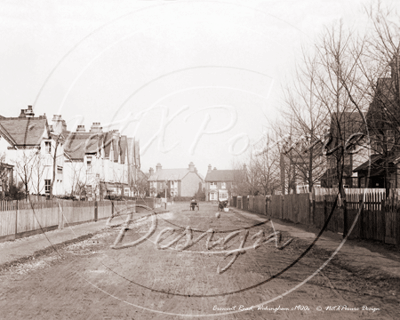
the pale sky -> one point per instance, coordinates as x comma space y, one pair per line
211, 71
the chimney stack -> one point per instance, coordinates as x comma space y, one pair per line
151, 171
96, 127
80, 128
158, 167
191, 167
209, 168
59, 125
29, 112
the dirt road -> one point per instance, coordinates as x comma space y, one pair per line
90, 280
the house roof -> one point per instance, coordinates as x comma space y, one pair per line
110, 139
24, 131
376, 162
345, 125
220, 175
170, 174
123, 148
78, 144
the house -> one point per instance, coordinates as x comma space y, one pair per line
93, 163
345, 148
35, 150
382, 169
100, 163
184, 182
218, 179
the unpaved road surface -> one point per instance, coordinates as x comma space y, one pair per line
90, 280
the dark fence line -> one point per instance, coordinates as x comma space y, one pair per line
24, 218
378, 219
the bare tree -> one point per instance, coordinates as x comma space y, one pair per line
24, 165
58, 139
38, 169
267, 165
337, 76
307, 121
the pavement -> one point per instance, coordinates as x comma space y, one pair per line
18, 250
372, 258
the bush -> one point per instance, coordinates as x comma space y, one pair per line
16, 192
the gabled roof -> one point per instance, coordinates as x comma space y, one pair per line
221, 175
24, 131
111, 140
123, 148
133, 152
345, 125
77, 144
376, 162
171, 174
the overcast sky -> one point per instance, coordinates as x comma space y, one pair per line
192, 80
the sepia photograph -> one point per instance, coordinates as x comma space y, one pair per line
200, 159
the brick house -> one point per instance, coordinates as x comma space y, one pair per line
183, 182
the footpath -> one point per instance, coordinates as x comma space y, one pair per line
18, 250
373, 259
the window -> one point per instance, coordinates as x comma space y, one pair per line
47, 146
89, 164
390, 139
223, 185
47, 183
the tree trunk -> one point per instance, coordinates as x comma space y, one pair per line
54, 168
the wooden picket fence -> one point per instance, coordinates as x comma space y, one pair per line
23, 218
368, 213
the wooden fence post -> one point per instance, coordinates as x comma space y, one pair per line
60, 217
312, 211
96, 212
345, 226
361, 218
16, 220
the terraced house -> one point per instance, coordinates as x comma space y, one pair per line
78, 163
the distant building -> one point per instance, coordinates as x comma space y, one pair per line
184, 182
216, 180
